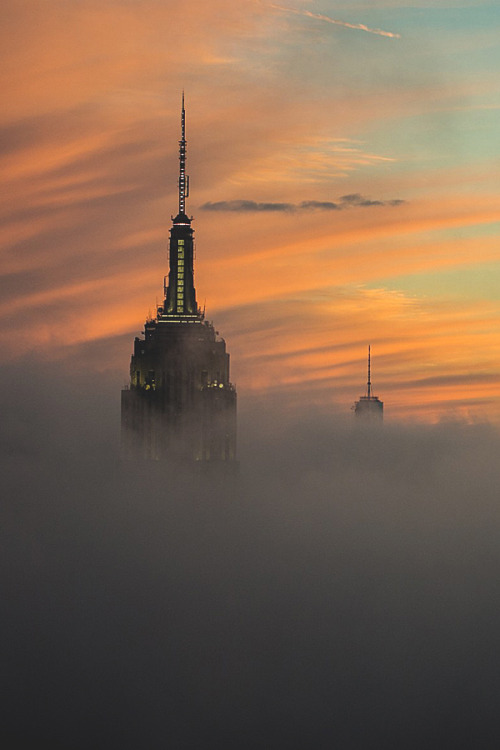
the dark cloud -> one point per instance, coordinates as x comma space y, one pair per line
354, 199
247, 206
340, 593
346, 201
320, 205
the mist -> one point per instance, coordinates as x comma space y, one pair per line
340, 592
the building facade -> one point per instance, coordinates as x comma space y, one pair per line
180, 405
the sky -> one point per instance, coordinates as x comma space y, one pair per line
343, 161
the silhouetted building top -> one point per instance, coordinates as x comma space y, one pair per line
369, 407
180, 405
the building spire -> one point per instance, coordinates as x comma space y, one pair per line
369, 384
183, 178
180, 300
369, 406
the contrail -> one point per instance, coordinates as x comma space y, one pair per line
320, 17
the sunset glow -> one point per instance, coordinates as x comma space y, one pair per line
344, 188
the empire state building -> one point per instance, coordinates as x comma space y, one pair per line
180, 405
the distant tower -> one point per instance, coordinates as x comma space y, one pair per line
180, 405
369, 407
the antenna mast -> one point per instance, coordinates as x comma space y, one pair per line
369, 384
183, 179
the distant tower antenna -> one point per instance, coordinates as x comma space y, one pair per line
369, 383
183, 179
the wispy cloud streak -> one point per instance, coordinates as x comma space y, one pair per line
346, 201
336, 22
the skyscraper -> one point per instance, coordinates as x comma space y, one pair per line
180, 405
369, 407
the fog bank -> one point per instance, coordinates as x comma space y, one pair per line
341, 592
